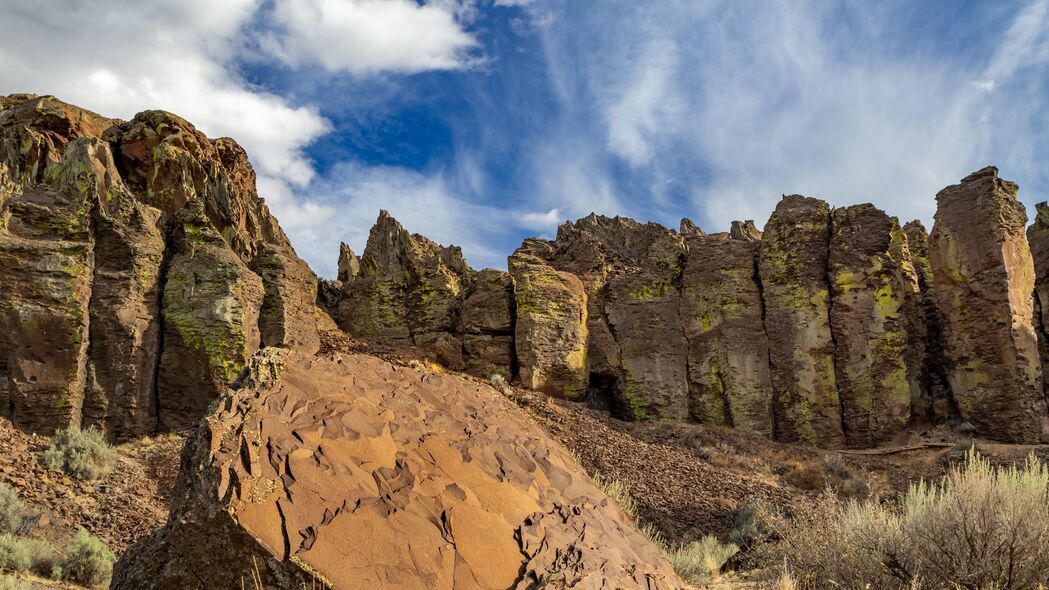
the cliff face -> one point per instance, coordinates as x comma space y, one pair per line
834, 327
139, 270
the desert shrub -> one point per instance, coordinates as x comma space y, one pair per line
754, 523
88, 560
81, 453
14, 554
699, 561
42, 556
856, 488
807, 476
618, 492
836, 465
980, 527
12, 583
12, 510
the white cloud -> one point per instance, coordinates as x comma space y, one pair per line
119, 58
368, 36
541, 221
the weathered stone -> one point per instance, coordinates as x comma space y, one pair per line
688, 228
211, 321
487, 325
335, 471
793, 270
550, 334
745, 231
288, 315
874, 316
349, 264
1038, 239
728, 352
984, 281
46, 264
408, 293
934, 403
487, 355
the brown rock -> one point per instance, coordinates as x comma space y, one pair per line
450, 485
728, 351
793, 270
745, 231
1038, 238
688, 228
984, 281
349, 264
875, 316
550, 333
934, 403
487, 325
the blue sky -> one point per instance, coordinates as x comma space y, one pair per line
480, 122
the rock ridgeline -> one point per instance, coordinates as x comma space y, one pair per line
139, 270
350, 472
834, 327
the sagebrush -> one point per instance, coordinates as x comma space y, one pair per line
12, 510
88, 560
84, 454
981, 527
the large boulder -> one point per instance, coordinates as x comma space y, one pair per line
793, 270
355, 473
876, 323
728, 352
984, 286
487, 325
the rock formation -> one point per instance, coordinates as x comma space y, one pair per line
1038, 239
983, 283
359, 474
793, 271
138, 269
876, 324
728, 351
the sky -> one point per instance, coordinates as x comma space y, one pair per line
481, 122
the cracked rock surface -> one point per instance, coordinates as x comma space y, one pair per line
360, 474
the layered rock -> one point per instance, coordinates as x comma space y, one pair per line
728, 351
487, 325
311, 456
983, 283
408, 293
793, 270
97, 216
876, 324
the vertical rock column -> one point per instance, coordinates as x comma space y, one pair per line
874, 312
934, 404
728, 352
984, 281
487, 326
793, 271
550, 334
1038, 238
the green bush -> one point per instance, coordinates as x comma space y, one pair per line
699, 561
981, 527
14, 554
614, 489
11, 510
754, 523
12, 583
42, 556
88, 560
80, 453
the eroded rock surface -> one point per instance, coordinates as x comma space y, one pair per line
364, 475
984, 281
876, 323
96, 215
793, 270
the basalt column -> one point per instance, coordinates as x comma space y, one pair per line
984, 285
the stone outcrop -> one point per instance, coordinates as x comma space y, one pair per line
138, 269
408, 292
728, 351
487, 325
793, 270
551, 328
355, 473
876, 324
745, 230
934, 403
1038, 239
983, 276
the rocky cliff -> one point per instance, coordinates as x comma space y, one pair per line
139, 269
349, 472
834, 327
